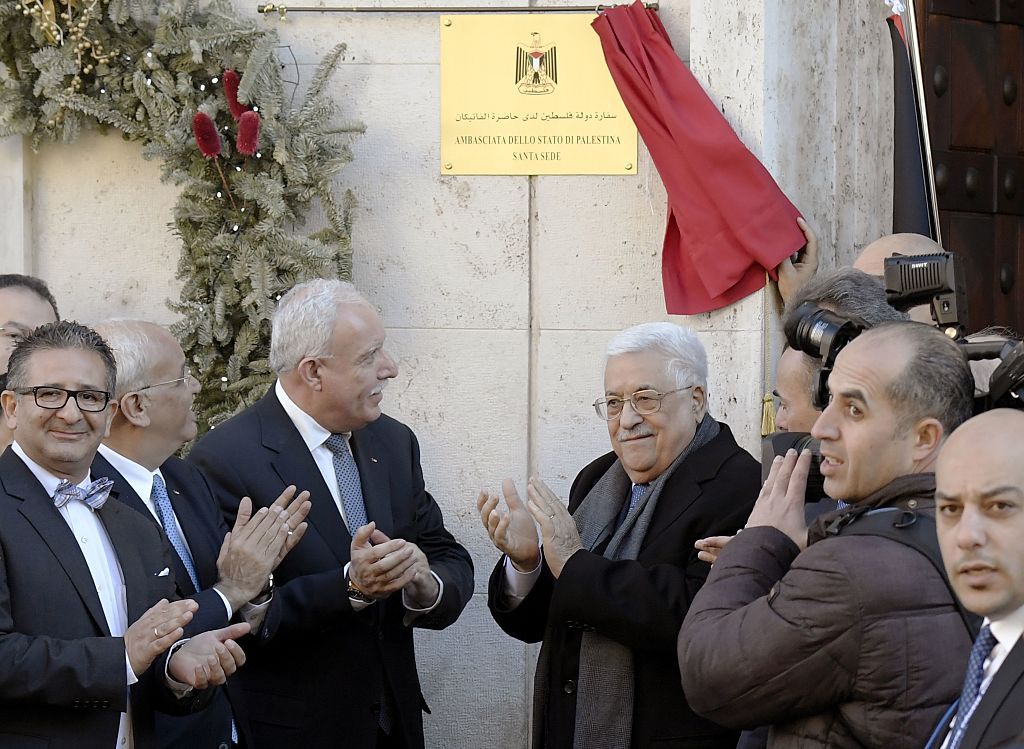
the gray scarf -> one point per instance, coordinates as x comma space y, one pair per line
604, 697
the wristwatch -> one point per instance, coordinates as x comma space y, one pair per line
354, 594
267, 593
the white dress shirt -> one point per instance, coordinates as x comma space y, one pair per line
140, 479
104, 567
1007, 632
315, 437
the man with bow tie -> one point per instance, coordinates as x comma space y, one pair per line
89, 640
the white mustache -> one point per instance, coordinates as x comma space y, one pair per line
632, 434
380, 387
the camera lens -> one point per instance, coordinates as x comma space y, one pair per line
778, 443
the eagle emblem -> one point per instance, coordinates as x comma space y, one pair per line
536, 67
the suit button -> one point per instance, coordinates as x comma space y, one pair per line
380, 636
569, 686
223, 745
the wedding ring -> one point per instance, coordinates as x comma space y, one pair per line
551, 516
156, 634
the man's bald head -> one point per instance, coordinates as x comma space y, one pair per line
871, 259
979, 496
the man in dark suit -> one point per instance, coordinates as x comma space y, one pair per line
610, 584
980, 521
76, 569
376, 557
155, 392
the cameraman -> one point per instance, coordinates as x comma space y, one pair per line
851, 294
836, 636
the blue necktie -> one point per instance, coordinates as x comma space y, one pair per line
351, 488
94, 495
634, 496
165, 514
972, 684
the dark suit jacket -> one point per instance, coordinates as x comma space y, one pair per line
62, 676
998, 721
204, 530
320, 679
640, 603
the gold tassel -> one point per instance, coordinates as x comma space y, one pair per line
767, 415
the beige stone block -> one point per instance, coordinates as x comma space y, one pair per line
465, 394
434, 251
476, 680
100, 227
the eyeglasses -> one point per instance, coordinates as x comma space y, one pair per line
644, 402
184, 378
55, 398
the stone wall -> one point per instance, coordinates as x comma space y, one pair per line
499, 293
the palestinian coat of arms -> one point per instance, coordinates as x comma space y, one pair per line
536, 67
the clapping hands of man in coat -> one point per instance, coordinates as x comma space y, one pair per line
513, 532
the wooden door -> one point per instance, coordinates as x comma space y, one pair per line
972, 61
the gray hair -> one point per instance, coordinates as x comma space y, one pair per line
686, 361
936, 382
304, 321
58, 336
129, 340
850, 293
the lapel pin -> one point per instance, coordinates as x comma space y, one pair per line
373, 460
175, 491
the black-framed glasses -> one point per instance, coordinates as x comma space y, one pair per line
54, 398
644, 402
184, 378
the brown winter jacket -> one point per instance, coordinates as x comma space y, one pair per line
854, 642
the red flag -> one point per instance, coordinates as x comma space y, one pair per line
728, 221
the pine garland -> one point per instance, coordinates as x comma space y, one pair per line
145, 69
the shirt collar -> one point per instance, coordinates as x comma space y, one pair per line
44, 477
1009, 629
138, 477
311, 432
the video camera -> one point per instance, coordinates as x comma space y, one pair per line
935, 279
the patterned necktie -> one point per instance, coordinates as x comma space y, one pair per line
972, 684
165, 514
94, 495
635, 494
351, 488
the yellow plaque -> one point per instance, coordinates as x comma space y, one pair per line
530, 94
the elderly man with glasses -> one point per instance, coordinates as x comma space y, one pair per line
229, 576
610, 580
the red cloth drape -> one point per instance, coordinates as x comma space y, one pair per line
728, 221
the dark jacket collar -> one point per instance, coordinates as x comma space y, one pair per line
915, 491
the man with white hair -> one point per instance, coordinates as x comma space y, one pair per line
608, 586
227, 574
376, 558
